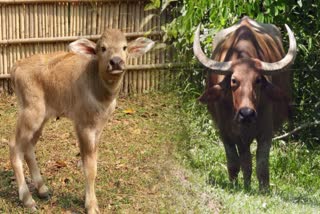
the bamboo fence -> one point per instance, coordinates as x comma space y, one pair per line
29, 27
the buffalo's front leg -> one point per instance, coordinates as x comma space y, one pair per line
233, 162
246, 163
88, 139
263, 151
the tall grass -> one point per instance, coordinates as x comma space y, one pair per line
294, 166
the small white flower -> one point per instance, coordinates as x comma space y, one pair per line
264, 205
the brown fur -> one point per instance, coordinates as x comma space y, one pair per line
267, 96
79, 87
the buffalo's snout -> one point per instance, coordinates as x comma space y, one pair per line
116, 63
246, 115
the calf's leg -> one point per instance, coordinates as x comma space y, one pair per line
43, 191
88, 139
29, 122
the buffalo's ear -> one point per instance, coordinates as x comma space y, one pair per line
212, 94
275, 93
139, 46
83, 47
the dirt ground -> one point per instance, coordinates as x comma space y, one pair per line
138, 168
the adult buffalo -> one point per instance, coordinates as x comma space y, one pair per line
248, 92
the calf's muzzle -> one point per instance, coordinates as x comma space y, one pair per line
116, 63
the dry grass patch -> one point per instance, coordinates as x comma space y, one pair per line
137, 171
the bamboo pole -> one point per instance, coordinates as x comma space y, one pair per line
77, 27
155, 53
10, 21
99, 19
11, 36
4, 76
141, 67
65, 19
5, 60
4, 22
1, 57
94, 18
59, 20
150, 55
2, 48
72, 19
104, 16
27, 29
22, 20
67, 29
54, 20
123, 26
134, 79
140, 73
15, 24
31, 21
67, 38
116, 15
44, 21
62, 23
36, 21
80, 27
110, 15
41, 25
127, 76
88, 19
84, 29
51, 16
1, 24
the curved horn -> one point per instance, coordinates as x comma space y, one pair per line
215, 66
274, 67
221, 35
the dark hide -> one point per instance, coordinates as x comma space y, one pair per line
267, 98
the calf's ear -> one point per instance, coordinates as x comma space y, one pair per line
139, 46
211, 94
83, 47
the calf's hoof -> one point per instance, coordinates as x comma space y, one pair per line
31, 205
43, 192
93, 210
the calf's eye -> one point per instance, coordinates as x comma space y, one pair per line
125, 48
103, 49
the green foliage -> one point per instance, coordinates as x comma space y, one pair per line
303, 18
294, 167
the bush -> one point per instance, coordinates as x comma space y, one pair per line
303, 17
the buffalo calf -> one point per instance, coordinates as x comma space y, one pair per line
81, 85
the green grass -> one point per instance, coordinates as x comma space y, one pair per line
294, 169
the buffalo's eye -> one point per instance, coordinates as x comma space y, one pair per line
125, 48
103, 49
234, 81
